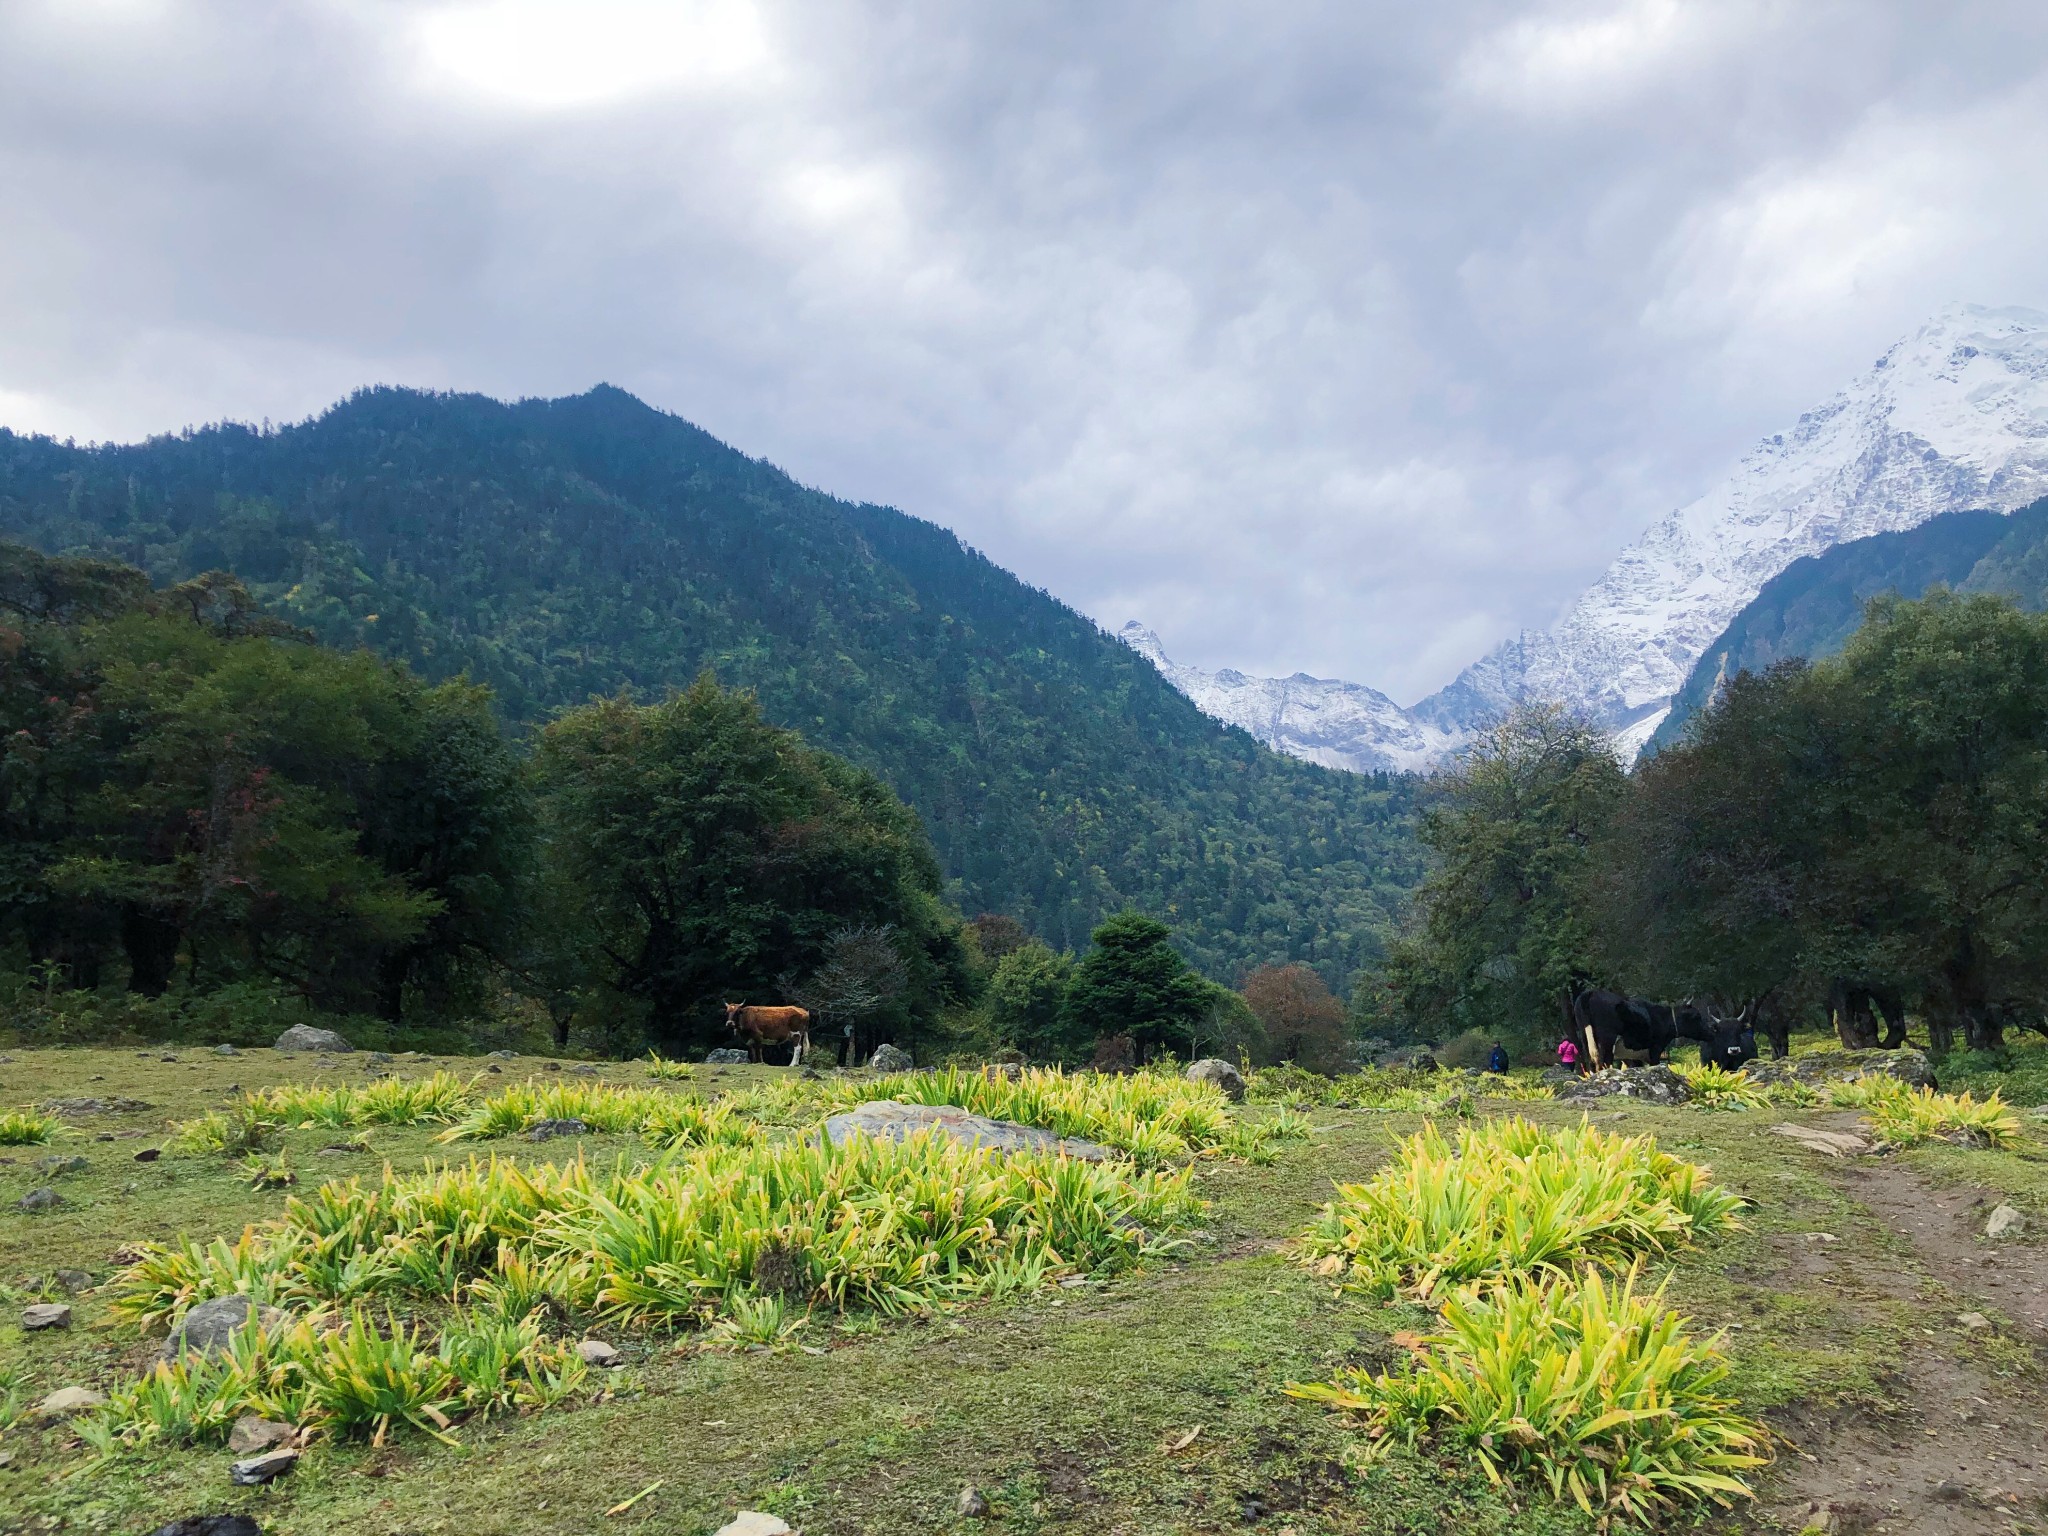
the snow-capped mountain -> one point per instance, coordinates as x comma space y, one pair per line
1953, 417
1340, 725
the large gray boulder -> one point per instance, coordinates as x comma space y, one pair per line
1652, 1085
1219, 1073
1817, 1067
209, 1327
725, 1056
304, 1037
888, 1120
889, 1058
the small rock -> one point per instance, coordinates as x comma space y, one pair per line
378, 1058
208, 1327
303, 1037
210, 1525
548, 1130
72, 1281
890, 1058
971, 1503
65, 1401
149, 1154
266, 1468
71, 1109
253, 1433
45, 1314
61, 1164
39, 1200
751, 1522
598, 1353
226, 1050
1972, 1322
1827, 1143
584, 1069
726, 1056
505, 1055
551, 1066
2005, 1221
1214, 1069
494, 1067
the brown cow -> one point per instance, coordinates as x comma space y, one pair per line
760, 1026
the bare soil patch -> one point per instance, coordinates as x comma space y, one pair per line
1957, 1448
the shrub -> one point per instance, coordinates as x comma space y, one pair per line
27, 1128
1511, 1197
1469, 1049
1921, 1114
1715, 1087
234, 1132
1581, 1382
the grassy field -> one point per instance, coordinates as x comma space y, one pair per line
1148, 1399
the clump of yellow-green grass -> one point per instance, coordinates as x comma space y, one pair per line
436, 1099
1920, 1115
27, 1128
1582, 1383
873, 1224
1511, 1197
1715, 1087
343, 1375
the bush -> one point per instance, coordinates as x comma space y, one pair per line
1581, 1382
1511, 1197
27, 1128
1468, 1050
1921, 1114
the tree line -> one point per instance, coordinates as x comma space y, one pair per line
1879, 819
195, 795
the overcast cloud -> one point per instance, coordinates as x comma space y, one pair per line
1346, 338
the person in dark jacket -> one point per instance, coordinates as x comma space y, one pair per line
1497, 1059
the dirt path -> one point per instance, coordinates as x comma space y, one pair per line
1961, 1448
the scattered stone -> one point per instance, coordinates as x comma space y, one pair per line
1411, 1058
209, 1327
226, 1050
1652, 1085
267, 1468
253, 1433
66, 1401
891, 1058
898, 1122
971, 1504
1817, 1067
44, 1199
548, 1130
2005, 1221
71, 1109
210, 1525
751, 1522
45, 1314
71, 1281
1213, 1069
583, 1069
149, 1154
171, 1059
378, 1058
1827, 1143
726, 1056
598, 1353
506, 1055
304, 1037
551, 1066
60, 1164
494, 1067
105, 1136
1972, 1322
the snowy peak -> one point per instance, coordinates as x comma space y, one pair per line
1340, 725
1953, 417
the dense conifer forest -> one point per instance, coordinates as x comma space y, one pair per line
562, 550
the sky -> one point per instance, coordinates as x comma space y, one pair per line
1346, 338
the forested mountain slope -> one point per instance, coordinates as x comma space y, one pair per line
1812, 607
559, 549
